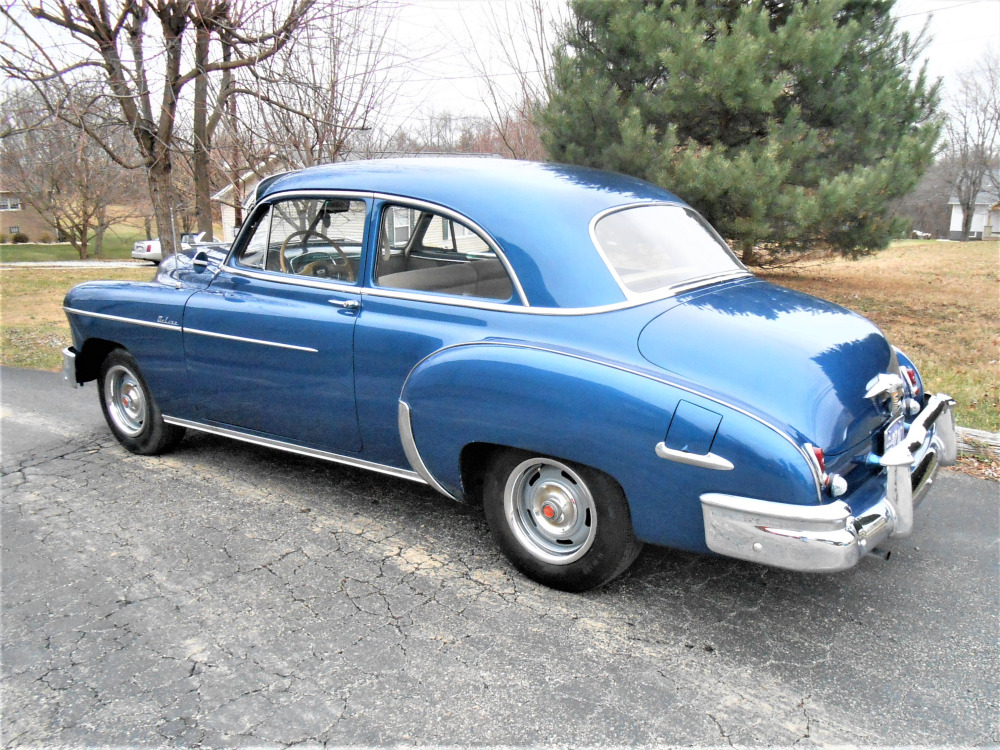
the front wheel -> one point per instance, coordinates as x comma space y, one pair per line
564, 525
129, 408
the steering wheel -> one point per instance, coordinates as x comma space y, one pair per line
283, 262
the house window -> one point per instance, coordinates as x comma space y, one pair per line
15, 228
15, 204
4, 204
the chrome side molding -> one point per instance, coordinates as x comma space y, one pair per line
302, 450
412, 454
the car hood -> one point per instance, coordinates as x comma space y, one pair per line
781, 354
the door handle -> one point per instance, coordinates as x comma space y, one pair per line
345, 304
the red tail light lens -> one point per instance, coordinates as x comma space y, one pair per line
818, 452
911, 375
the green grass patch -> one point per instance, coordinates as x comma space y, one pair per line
117, 246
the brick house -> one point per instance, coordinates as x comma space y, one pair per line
16, 216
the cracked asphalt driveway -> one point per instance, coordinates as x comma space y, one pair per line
231, 595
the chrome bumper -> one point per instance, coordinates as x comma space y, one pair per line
69, 367
827, 538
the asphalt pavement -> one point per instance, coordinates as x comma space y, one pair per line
229, 595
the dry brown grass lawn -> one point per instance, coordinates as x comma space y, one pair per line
32, 322
937, 301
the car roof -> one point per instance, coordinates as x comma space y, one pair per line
538, 213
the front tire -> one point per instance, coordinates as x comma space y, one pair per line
129, 407
562, 524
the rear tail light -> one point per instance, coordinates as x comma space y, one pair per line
820, 458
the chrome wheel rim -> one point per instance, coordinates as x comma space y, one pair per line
550, 511
126, 400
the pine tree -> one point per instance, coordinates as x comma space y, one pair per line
789, 124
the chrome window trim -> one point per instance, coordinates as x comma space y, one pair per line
631, 371
359, 463
485, 236
122, 319
497, 307
631, 298
665, 292
246, 340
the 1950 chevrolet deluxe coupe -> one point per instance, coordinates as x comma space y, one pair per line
577, 350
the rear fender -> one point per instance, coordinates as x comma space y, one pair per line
595, 413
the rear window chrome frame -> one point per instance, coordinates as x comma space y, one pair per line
673, 289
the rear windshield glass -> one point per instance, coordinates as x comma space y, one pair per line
657, 247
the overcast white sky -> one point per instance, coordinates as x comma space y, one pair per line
439, 33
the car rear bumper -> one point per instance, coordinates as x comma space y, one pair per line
828, 538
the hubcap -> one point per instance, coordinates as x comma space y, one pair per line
550, 510
126, 400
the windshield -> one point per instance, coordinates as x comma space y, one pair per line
657, 247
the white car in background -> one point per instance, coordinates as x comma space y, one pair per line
150, 249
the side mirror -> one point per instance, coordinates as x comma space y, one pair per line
200, 259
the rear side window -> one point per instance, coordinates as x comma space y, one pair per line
657, 247
424, 251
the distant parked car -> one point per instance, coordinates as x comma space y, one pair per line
577, 350
918, 235
150, 249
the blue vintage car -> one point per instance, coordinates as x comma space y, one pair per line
577, 350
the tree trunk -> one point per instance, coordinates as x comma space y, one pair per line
81, 244
100, 227
967, 214
202, 184
147, 223
161, 194
749, 254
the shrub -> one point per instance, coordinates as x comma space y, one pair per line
3, 239
46, 238
19, 238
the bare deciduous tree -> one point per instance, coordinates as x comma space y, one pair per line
515, 69
59, 171
140, 50
973, 136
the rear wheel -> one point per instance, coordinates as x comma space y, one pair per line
129, 407
562, 524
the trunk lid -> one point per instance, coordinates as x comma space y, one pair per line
784, 355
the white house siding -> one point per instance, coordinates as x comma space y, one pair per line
979, 217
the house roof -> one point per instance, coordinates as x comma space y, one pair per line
987, 196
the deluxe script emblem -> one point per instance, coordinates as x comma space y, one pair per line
165, 319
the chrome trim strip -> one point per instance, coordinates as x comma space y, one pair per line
622, 368
245, 340
500, 307
670, 291
121, 319
287, 278
292, 448
704, 461
410, 449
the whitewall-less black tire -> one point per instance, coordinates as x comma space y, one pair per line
562, 524
129, 407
